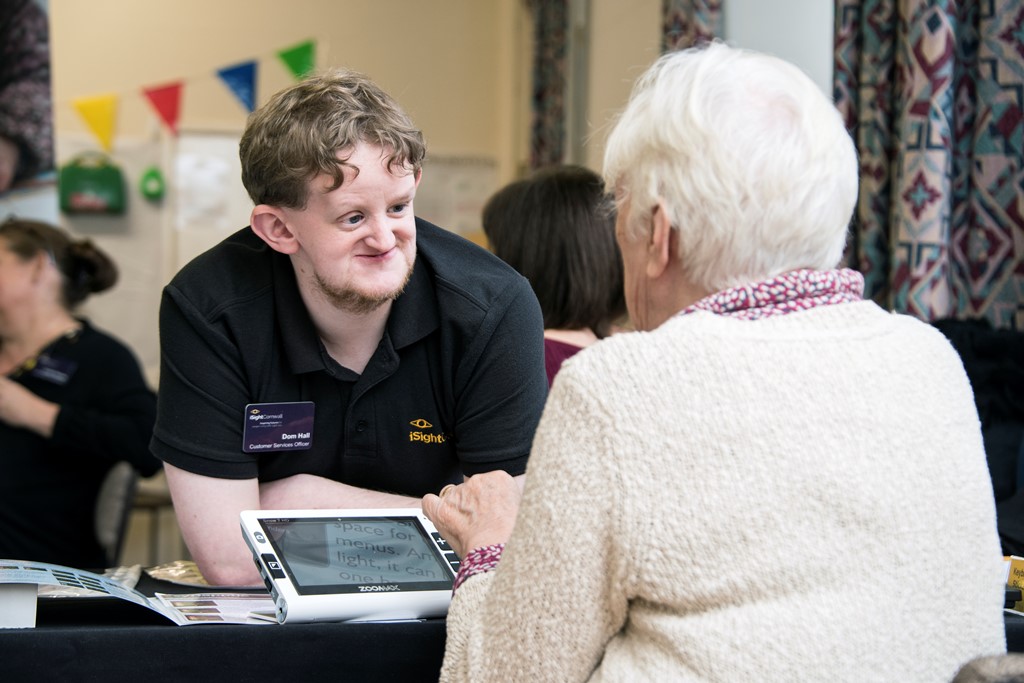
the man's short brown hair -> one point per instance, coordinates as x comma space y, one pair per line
298, 134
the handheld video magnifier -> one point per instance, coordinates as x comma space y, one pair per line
351, 565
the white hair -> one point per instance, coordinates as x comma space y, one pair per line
750, 159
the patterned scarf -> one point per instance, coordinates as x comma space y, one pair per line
797, 290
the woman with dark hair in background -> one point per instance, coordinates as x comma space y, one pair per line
73, 400
557, 228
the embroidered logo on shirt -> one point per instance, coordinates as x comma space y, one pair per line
423, 437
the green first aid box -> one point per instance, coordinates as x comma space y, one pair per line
91, 183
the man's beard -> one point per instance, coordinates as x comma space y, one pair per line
357, 302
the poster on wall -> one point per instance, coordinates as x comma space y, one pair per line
211, 201
453, 192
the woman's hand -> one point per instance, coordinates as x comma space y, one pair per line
480, 512
19, 407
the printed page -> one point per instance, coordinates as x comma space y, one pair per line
220, 608
184, 610
43, 574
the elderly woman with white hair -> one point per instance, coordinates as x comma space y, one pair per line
773, 479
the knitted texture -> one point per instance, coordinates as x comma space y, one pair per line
804, 497
478, 561
797, 290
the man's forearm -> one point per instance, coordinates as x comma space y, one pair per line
308, 491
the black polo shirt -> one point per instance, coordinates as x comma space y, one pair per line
455, 388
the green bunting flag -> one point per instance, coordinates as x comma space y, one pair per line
99, 111
300, 59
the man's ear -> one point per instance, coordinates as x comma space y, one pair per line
269, 223
661, 242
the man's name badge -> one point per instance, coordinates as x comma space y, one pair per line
271, 427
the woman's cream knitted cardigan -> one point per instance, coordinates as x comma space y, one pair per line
803, 497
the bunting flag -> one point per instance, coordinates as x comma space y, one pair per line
241, 78
300, 59
99, 112
166, 100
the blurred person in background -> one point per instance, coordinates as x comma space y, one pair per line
73, 400
557, 228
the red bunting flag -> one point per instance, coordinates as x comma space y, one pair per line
166, 100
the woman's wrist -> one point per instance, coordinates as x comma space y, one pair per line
478, 561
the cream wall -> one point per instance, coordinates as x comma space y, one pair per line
625, 37
459, 67
449, 63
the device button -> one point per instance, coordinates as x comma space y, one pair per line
260, 537
273, 566
441, 543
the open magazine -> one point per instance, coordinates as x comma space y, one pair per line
182, 609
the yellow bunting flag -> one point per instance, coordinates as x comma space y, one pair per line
99, 112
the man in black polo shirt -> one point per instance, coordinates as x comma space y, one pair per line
339, 353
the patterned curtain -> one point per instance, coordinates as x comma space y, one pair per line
931, 90
550, 45
686, 23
